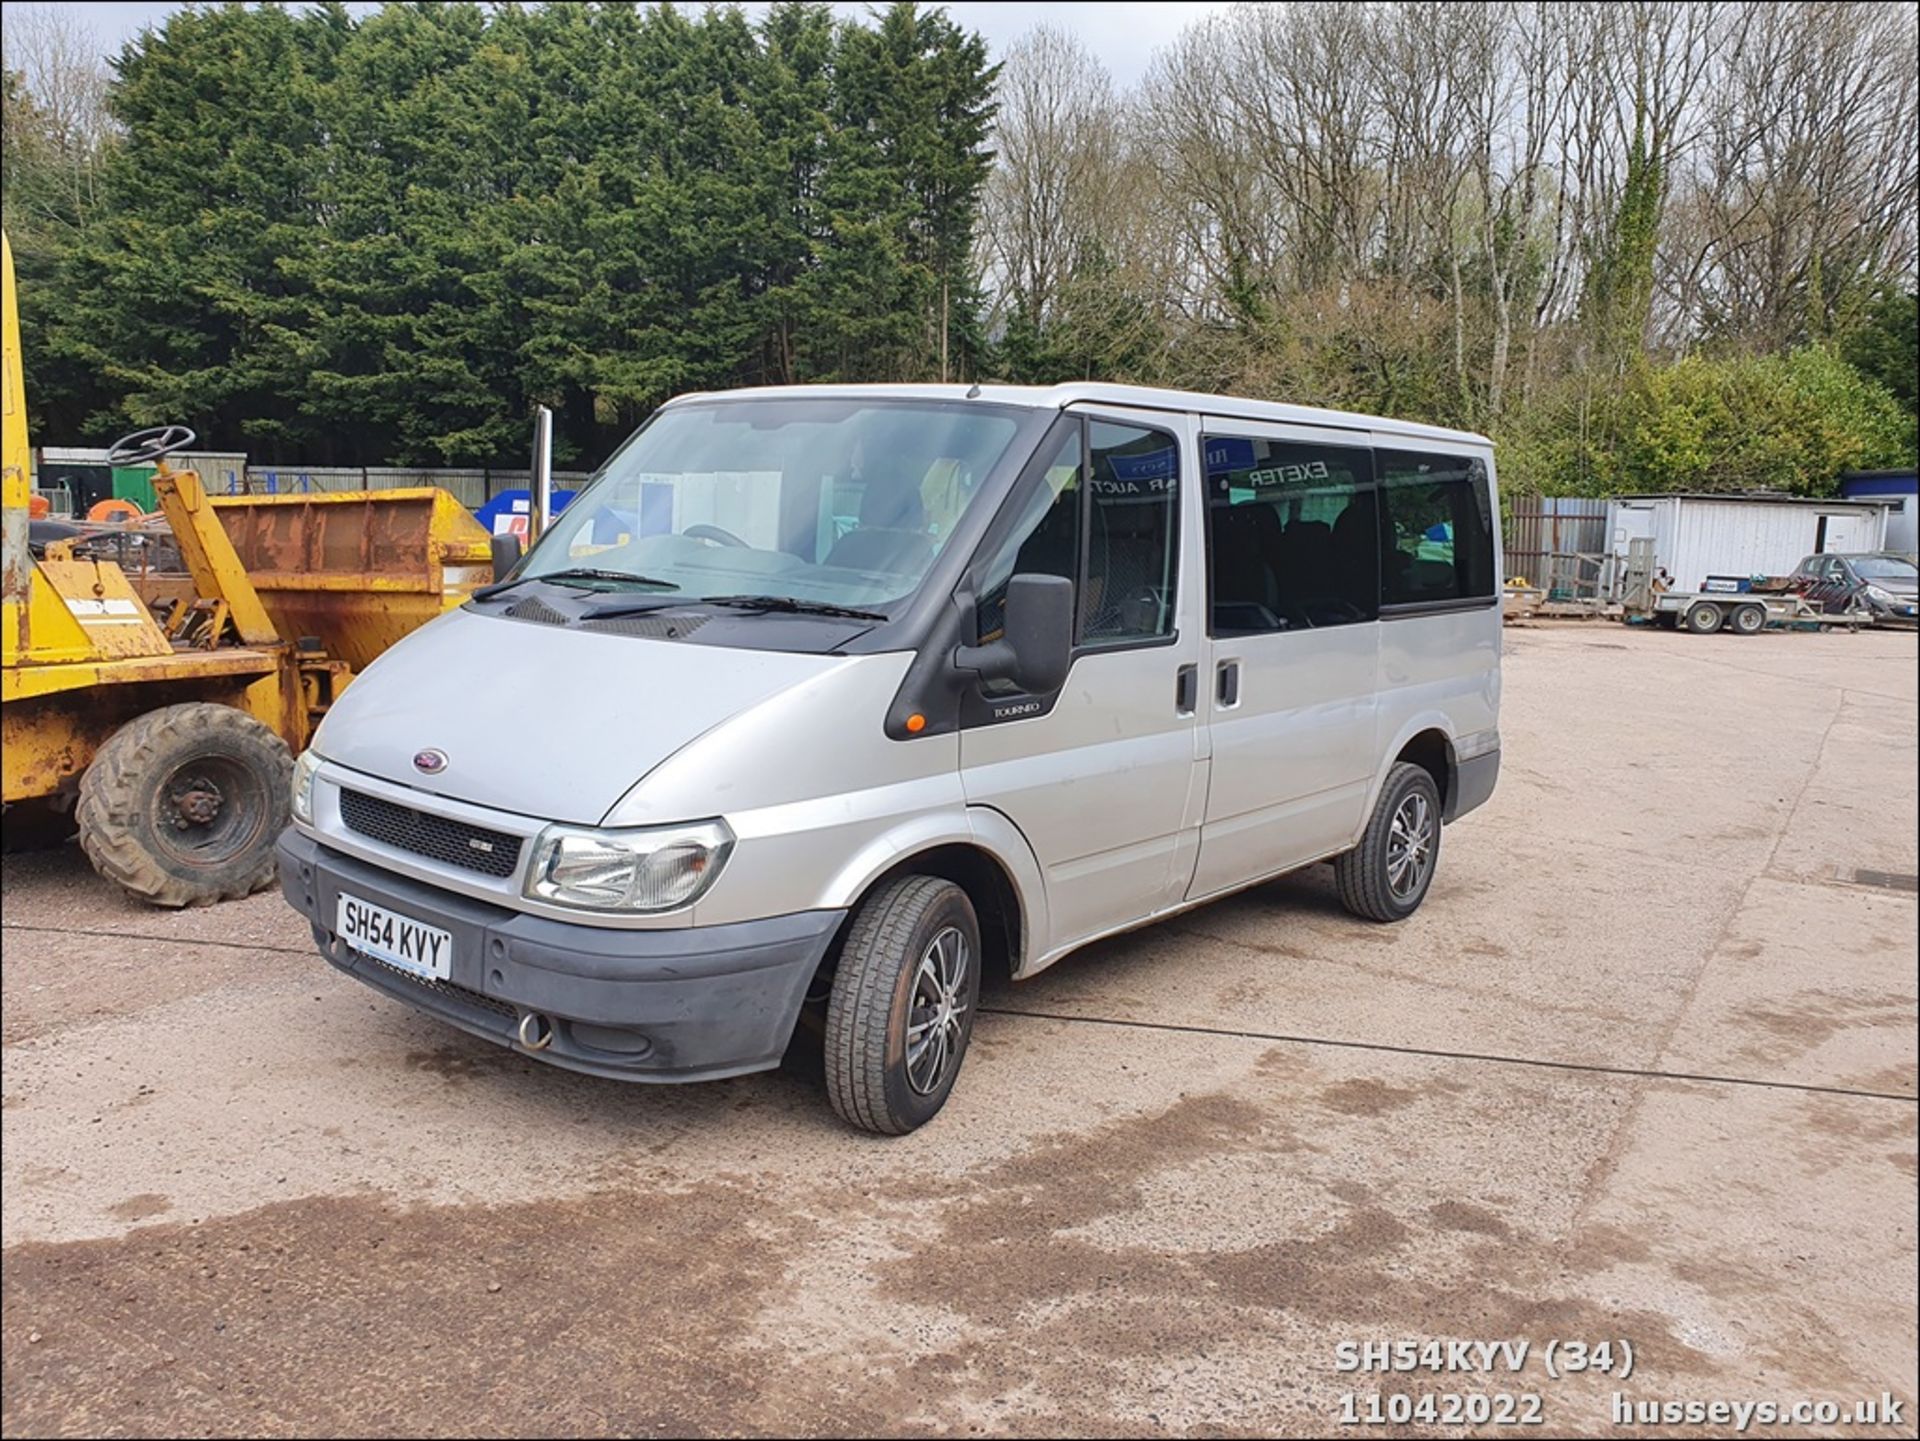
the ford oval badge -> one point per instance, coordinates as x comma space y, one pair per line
430, 761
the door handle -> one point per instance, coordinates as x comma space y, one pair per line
1227, 684
1186, 689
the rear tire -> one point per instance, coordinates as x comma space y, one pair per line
902, 1007
1704, 617
181, 806
1749, 620
1387, 875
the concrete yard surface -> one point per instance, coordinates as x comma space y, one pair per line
1642, 1069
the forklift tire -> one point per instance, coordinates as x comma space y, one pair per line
1704, 617
181, 806
1749, 620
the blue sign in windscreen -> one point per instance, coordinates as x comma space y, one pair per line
1227, 452
1153, 465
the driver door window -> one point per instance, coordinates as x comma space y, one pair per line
1044, 541
1112, 527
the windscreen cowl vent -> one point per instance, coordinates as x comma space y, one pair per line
653, 627
535, 609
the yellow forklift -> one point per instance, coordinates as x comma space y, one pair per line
161, 711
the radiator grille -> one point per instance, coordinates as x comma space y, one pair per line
451, 842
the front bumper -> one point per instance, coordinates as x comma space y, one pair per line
689, 1004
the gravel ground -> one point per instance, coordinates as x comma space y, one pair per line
1643, 1068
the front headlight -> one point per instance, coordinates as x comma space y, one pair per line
1880, 594
641, 870
303, 770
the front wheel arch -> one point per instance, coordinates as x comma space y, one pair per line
989, 886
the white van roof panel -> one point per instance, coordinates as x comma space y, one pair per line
1143, 397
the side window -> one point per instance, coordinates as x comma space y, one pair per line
1133, 492
1437, 530
1044, 540
1292, 535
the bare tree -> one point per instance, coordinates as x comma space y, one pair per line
1462, 207
1057, 135
56, 121
1804, 197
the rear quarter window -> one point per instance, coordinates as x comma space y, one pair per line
1436, 514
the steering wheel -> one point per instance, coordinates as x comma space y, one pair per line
715, 534
145, 445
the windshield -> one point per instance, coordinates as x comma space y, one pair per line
834, 501
1884, 567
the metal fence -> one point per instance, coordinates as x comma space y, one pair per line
473, 487
1545, 533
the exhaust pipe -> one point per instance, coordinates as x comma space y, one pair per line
536, 1031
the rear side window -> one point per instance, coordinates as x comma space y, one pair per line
1293, 538
1436, 528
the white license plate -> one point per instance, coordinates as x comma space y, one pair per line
395, 939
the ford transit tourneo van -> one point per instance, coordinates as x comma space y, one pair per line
828, 699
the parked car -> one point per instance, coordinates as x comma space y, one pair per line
713, 758
1883, 584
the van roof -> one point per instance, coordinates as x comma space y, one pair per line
1142, 397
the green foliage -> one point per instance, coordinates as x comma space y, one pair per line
356, 238
388, 238
1787, 423
1619, 281
1886, 346
1103, 328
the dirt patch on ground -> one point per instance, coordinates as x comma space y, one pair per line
1367, 1097
1021, 1256
620, 1314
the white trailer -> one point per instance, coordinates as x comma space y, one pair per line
1743, 613
1646, 594
1702, 539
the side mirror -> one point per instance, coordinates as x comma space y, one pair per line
506, 555
1035, 651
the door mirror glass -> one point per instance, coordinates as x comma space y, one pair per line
506, 555
1040, 630
1035, 650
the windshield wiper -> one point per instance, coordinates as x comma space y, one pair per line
788, 605
578, 572
620, 608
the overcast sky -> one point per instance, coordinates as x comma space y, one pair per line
1122, 35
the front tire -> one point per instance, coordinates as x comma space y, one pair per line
182, 805
1386, 876
901, 1011
1749, 620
